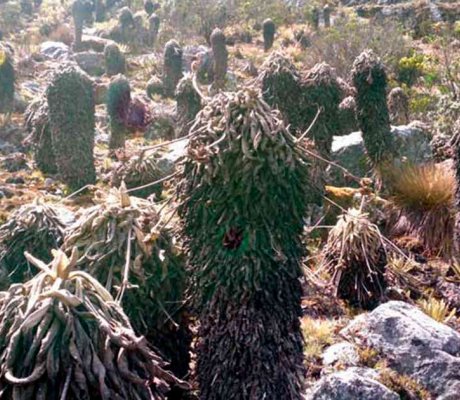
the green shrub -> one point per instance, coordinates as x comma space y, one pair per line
457, 29
411, 68
339, 45
421, 103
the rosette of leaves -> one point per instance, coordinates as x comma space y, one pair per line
172, 69
356, 258
64, 337
398, 106
118, 102
38, 125
82, 10
154, 28
126, 25
123, 245
71, 114
322, 93
7, 80
220, 58
456, 151
370, 81
137, 172
36, 227
347, 116
269, 30
150, 7
244, 192
115, 62
281, 88
188, 105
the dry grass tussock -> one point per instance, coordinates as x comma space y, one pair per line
423, 206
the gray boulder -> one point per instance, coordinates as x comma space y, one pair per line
350, 385
171, 155
412, 142
414, 345
349, 152
90, 62
55, 50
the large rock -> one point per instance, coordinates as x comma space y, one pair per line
414, 345
90, 62
171, 156
95, 43
349, 152
412, 144
55, 50
350, 385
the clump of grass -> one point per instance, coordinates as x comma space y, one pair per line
455, 270
402, 271
318, 334
423, 198
369, 357
437, 309
423, 187
406, 387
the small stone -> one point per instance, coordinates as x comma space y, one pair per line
5, 192
16, 180
343, 353
48, 183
